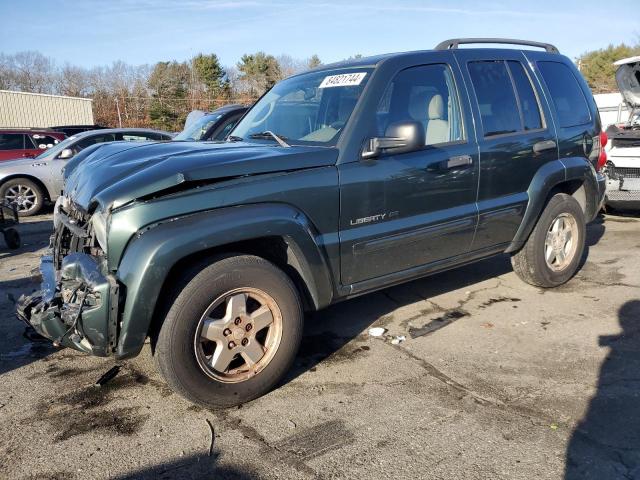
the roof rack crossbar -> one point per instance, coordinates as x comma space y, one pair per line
453, 43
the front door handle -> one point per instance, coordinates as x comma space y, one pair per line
544, 145
459, 161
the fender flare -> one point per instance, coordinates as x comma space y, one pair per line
154, 250
549, 176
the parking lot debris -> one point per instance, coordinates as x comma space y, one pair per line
108, 375
398, 339
377, 331
213, 436
437, 323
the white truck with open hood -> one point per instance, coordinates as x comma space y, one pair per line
623, 165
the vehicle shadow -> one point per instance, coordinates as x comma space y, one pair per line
329, 330
33, 235
606, 442
194, 467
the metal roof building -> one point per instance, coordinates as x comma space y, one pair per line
32, 110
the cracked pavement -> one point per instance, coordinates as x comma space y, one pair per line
495, 379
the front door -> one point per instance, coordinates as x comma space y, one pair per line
412, 209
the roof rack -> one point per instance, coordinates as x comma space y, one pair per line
453, 43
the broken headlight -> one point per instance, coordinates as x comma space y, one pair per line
100, 222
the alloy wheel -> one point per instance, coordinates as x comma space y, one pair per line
238, 335
22, 196
561, 242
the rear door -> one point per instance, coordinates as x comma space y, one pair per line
403, 211
516, 137
12, 145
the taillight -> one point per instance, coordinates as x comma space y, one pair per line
599, 144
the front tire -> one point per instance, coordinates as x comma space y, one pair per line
25, 194
552, 253
231, 333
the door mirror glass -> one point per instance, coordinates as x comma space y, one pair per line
401, 137
65, 154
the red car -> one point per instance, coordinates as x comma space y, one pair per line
16, 143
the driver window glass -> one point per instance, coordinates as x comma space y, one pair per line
82, 144
222, 134
425, 94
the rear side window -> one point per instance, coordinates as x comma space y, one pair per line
496, 98
568, 98
11, 141
529, 106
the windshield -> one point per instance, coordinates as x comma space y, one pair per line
307, 109
196, 130
54, 151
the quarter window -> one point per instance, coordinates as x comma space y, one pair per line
568, 98
426, 94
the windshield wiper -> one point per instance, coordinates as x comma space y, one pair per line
270, 134
234, 138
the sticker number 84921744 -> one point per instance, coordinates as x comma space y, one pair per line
343, 80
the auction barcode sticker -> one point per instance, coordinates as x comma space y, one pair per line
343, 80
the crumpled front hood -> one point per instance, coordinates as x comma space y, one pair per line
628, 80
118, 173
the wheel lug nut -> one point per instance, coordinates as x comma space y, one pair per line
244, 341
248, 327
226, 332
237, 321
232, 345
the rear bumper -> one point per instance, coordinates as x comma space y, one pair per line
75, 307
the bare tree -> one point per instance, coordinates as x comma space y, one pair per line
32, 72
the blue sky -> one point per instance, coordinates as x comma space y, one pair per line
92, 33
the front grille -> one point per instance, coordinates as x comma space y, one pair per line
73, 235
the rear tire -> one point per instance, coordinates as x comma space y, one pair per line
25, 194
215, 305
552, 253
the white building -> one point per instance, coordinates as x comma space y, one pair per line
35, 110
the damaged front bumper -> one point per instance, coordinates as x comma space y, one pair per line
76, 306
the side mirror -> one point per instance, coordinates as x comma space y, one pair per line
65, 154
401, 137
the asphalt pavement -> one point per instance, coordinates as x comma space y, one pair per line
493, 379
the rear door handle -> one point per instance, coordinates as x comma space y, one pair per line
544, 145
459, 161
